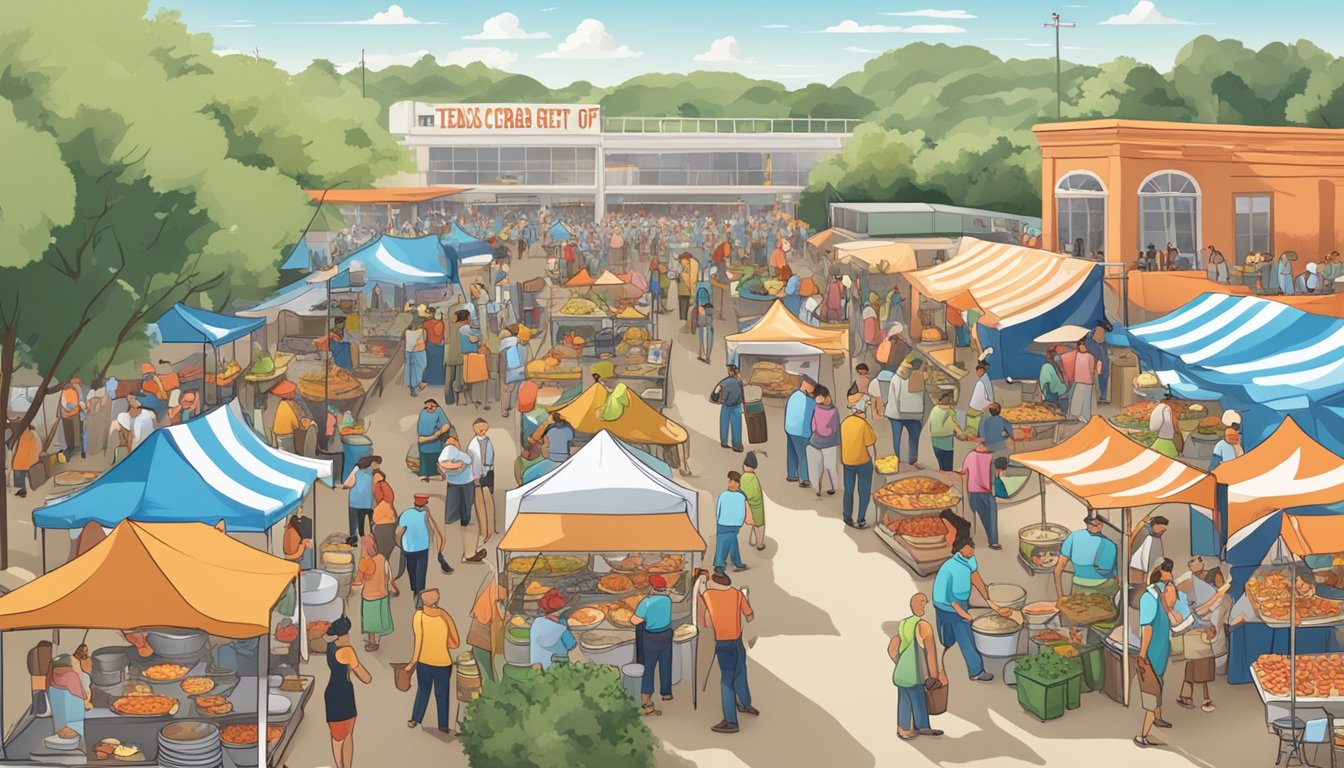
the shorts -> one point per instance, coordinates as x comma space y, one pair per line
458, 502
341, 729
487, 481
1200, 670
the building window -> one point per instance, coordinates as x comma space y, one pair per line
1253, 222
1080, 205
425, 121
1169, 213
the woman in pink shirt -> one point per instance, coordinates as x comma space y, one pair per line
980, 491
823, 447
1081, 368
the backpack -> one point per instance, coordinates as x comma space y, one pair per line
884, 351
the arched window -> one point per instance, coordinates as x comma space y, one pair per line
1080, 205
1169, 213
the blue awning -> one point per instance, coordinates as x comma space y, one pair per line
189, 325
300, 258
468, 249
559, 231
211, 468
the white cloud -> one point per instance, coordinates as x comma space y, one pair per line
229, 52
393, 16
505, 26
590, 40
852, 27
377, 61
860, 49
775, 26
725, 50
237, 24
548, 10
934, 13
495, 58
1143, 12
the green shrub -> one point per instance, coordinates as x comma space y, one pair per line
572, 715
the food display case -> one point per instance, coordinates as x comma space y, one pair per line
908, 520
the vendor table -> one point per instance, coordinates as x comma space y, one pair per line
100, 723
924, 562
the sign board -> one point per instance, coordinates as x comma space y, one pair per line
518, 119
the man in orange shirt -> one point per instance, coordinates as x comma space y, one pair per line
26, 453
434, 336
72, 413
724, 607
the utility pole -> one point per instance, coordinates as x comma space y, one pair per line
363, 70
1059, 89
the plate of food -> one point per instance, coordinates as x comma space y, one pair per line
669, 564
213, 706
586, 617
196, 686
145, 706
616, 584
114, 749
546, 565
165, 673
1030, 413
244, 734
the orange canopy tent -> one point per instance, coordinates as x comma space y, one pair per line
778, 324
1287, 470
178, 575
639, 423
388, 196
1105, 469
584, 279
827, 238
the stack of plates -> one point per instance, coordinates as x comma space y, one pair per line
190, 744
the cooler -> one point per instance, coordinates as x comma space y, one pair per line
753, 409
756, 428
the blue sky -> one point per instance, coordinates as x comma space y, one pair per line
605, 41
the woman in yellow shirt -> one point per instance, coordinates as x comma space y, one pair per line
432, 660
857, 452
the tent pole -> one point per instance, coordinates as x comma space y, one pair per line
263, 694
1124, 601
44, 551
1292, 639
3, 756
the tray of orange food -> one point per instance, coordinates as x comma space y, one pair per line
165, 673
916, 496
1320, 677
213, 706
152, 705
1268, 591
246, 733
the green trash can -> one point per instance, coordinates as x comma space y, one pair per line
1094, 667
1045, 700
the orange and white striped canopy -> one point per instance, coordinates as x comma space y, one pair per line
1106, 470
1011, 284
1288, 469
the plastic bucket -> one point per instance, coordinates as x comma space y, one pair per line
632, 675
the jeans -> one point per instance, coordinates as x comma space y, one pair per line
795, 458
706, 336
862, 474
451, 377
732, 657
730, 420
417, 564
357, 516
944, 457
912, 428
954, 630
984, 505
1103, 391
21, 481
428, 676
912, 709
657, 653
726, 545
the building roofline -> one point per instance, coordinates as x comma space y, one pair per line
1203, 128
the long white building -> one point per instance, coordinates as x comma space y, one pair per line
567, 154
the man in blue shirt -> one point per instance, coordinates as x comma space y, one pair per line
1094, 561
1154, 649
416, 531
995, 431
1096, 344
729, 516
951, 602
456, 466
360, 485
653, 626
559, 434
728, 394
797, 431
431, 428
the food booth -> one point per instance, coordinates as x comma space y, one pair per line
908, 522
631, 420
187, 586
779, 348
596, 527
1019, 292
1102, 468
191, 325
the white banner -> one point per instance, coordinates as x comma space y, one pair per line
520, 119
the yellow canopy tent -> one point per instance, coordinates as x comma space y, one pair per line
778, 324
182, 575
641, 423
877, 256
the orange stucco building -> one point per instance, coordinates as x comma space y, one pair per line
1117, 185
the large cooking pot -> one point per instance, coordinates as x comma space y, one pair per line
996, 636
1042, 539
1007, 595
113, 658
176, 642
318, 587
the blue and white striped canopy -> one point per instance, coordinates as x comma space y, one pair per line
211, 468
1253, 349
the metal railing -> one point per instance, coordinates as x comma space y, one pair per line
728, 125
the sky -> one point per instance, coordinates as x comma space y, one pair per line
608, 41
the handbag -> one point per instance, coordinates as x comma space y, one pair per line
935, 692
401, 676
474, 369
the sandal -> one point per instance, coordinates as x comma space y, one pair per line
370, 647
1186, 703
649, 711
1208, 705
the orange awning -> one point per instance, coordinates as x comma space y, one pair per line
1288, 469
541, 532
1102, 466
779, 324
178, 575
1313, 534
584, 279
826, 238
640, 423
1160, 293
388, 196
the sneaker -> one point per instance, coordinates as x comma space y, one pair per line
1143, 743
996, 546
748, 710
804, 484
791, 479
725, 727
929, 732
983, 677
740, 569
1160, 723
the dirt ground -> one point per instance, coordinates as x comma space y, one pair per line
827, 599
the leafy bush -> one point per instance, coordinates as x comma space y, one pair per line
572, 715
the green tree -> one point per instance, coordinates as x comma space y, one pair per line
1126, 87
172, 185
1321, 103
